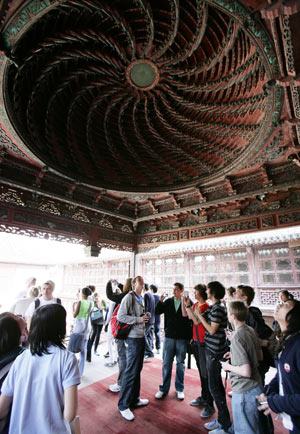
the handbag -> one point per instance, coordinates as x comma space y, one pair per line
96, 316
75, 425
76, 342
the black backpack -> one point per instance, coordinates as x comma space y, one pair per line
37, 302
257, 322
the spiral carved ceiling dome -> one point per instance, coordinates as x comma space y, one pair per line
138, 95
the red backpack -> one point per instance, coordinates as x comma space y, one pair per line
120, 330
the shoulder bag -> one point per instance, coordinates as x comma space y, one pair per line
76, 342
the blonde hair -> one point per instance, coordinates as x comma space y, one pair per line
34, 291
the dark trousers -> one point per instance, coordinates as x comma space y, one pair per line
157, 336
265, 422
198, 349
149, 334
131, 382
95, 336
121, 359
216, 388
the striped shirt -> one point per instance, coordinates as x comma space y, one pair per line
216, 343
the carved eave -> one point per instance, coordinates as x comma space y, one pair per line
283, 19
209, 146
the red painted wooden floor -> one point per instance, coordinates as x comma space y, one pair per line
99, 415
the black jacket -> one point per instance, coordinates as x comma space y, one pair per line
176, 325
150, 306
117, 298
257, 322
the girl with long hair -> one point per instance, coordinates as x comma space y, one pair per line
282, 395
41, 386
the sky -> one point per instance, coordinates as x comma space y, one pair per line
20, 248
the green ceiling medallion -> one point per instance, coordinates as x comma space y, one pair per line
142, 74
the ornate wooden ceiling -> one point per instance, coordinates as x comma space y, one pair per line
136, 122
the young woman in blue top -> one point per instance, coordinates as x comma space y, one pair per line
41, 386
282, 395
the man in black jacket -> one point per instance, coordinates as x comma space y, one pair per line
178, 331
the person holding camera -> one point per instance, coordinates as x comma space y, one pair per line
178, 332
198, 347
214, 320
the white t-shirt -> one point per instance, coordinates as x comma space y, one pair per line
20, 306
43, 302
111, 308
37, 385
21, 294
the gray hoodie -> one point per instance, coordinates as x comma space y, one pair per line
130, 312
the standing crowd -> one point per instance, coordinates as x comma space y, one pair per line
39, 376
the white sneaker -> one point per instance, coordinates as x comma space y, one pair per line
180, 395
114, 388
159, 394
127, 414
212, 425
230, 393
141, 402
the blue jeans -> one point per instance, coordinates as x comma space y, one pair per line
121, 348
131, 382
82, 358
216, 388
149, 333
157, 336
172, 348
244, 411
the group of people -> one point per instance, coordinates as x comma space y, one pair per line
225, 333
89, 318
26, 357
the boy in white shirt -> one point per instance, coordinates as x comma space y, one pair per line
46, 298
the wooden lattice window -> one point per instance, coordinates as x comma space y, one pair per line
164, 272
229, 267
278, 265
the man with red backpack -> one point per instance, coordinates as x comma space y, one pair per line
132, 312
